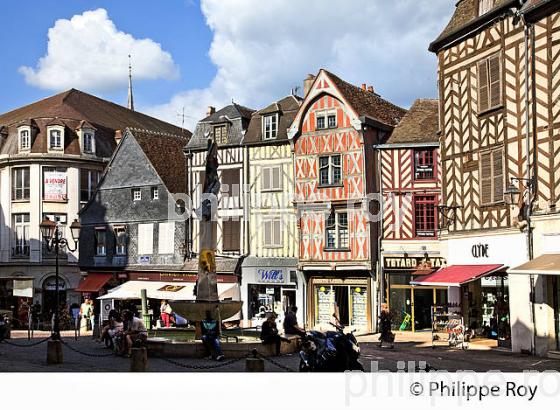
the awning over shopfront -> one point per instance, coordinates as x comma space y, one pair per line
165, 290
548, 264
93, 282
456, 275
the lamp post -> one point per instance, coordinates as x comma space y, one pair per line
50, 231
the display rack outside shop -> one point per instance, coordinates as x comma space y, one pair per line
448, 328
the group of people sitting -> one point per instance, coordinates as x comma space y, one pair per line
123, 330
210, 331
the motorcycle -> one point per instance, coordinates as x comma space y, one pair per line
5, 327
332, 351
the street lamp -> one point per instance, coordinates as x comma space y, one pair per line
52, 236
512, 193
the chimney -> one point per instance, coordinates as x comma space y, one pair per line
363, 86
307, 83
211, 110
118, 136
370, 89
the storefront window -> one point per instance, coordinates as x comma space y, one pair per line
348, 303
401, 308
265, 299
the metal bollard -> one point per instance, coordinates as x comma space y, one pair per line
254, 364
139, 359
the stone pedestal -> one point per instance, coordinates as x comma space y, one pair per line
254, 364
139, 359
54, 352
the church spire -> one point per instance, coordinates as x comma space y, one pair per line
130, 97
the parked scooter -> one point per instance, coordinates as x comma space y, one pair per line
332, 351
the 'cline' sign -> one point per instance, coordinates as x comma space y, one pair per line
270, 276
480, 250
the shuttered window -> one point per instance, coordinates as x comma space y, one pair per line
166, 237
489, 83
271, 178
231, 236
272, 233
491, 177
145, 239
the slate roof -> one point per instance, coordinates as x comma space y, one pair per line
286, 108
72, 109
419, 125
165, 152
465, 18
367, 103
237, 116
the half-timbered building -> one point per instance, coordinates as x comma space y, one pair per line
498, 77
227, 128
332, 138
411, 186
270, 277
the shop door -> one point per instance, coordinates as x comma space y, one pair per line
288, 299
423, 301
401, 308
341, 300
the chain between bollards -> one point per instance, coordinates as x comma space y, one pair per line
25, 345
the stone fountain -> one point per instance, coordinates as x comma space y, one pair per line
206, 289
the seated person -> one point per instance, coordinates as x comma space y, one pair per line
135, 330
115, 324
290, 323
211, 337
269, 333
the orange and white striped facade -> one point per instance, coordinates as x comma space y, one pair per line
314, 202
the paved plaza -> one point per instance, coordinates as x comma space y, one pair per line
409, 347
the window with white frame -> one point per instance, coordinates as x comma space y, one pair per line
331, 120
21, 235
55, 138
145, 239
320, 122
330, 170
87, 142
136, 194
272, 229
100, 242
336, 229
20, 184
155, 193
270, 126
271, 178
120, 240
24, 139
89, 178
166, 238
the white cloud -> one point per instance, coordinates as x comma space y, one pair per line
90, 53
263, 49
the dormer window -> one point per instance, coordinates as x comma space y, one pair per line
220, 134
270, 126
24, 139
88, 142
484, 6
56, 138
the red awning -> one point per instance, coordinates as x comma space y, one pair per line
456, 275
94, 282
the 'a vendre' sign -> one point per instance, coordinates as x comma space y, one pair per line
54, 186
270, 276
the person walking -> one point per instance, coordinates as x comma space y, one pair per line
84, 315
165, 313
269, 333
385, 321
92, 316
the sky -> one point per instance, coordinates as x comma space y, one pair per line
189, 54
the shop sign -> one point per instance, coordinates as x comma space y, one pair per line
271, 276
50, 284
508, 249
480, 250
23, 288
413, 263
54, 183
